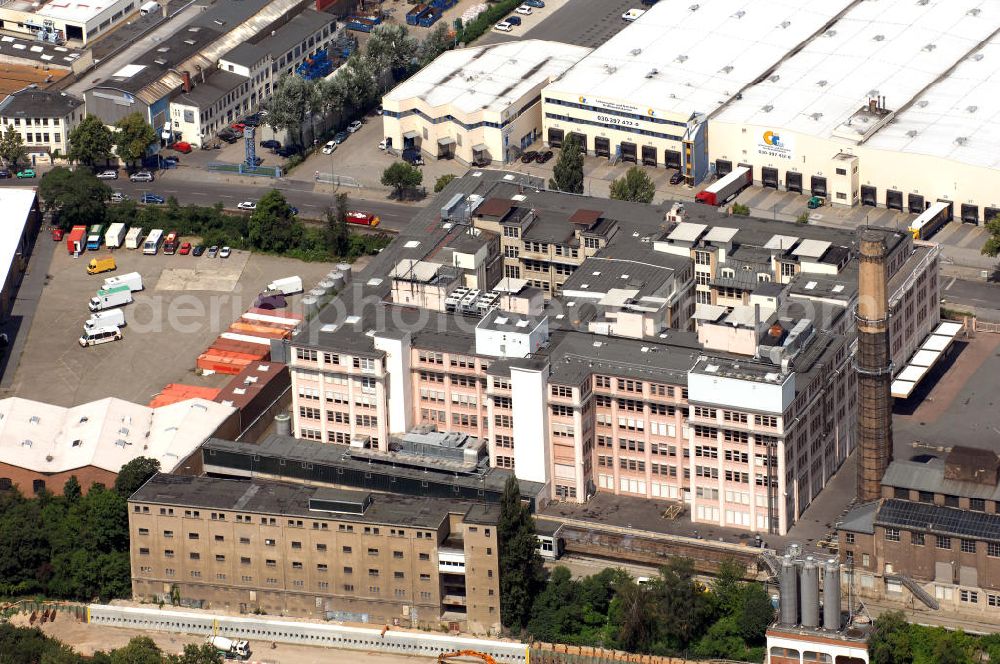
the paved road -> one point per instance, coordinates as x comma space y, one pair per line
582, 22
982, 297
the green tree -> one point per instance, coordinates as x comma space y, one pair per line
726, 585
90, 142
443, 182
391, 49
338, 235
292, 98
952, 648
567, 174
754, 613
72, 490
203, 654
684, 607
402, 176
76, 197
272, 227
722, 640
992, 246
634, 186
140, 650
134, 474
331, 95
521, 571
890, 640
357, 78
133, 137
11, 147
61, 654
437, 41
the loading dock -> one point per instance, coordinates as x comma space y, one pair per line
628, 151
723, 167
793, 181
648, 155
894, 200
602, 146
818, 186
672, 159
769, 177
555, 137
869, 195
970, 214
915, 203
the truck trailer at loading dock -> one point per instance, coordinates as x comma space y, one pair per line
726, 187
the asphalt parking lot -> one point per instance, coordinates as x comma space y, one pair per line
185, 304
582, 22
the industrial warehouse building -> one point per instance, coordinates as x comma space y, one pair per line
477, 105
77, 22
883, 104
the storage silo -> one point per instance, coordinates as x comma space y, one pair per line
831, 595
788, 584
809, 593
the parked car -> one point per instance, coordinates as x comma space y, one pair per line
213, 251
26, 173
413, 157
198, 250
57, 234
252, 120
503, 26
5, 174
286, 151
529, 156
110, 174
354, 126
141, 176
247, 205
169, 162
119, 197
543, 157
293, 210
185, 249
152, 199
677, 177
340, 137
537, 4
238, 126
224, 252
229, 136
513, 20
329, 147
182, 146
815, 202
523, 10
270, 144
383, 144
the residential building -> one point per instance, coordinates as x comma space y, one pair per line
291, 549
42, 445
604, 386
43, 119
480, 104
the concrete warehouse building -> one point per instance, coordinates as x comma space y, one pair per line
292, 549
42, 445
23, 218
77, 22
479, 104
646, 94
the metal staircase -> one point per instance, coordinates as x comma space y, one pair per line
918, 590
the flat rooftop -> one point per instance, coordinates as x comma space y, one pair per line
487, 78
890, 48
75, 11
670, 59
287, 499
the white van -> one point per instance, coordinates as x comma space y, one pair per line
100, 335
107, 318
148, 8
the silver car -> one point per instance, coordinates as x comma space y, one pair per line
141, 176
108, 175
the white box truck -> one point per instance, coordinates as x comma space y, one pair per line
286, 286
115, 235
108, 299
133, 280
109, 318
133, 240
230, 648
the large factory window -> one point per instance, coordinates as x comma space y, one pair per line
869, 195
915, 203
602, 146
769, 177
818, 185
894, 200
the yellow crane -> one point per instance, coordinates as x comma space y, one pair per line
445, 657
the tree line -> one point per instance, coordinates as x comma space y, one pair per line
77, 197
24, 645
896, 641
671, 613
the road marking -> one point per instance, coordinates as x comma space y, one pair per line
950, 283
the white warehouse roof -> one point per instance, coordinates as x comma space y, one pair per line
16, 204
957, 118
488, 77
686, 58
106, 434
890, 48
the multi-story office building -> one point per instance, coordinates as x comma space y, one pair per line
43, 119
294, 549
604, 386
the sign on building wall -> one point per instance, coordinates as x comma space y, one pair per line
773, 144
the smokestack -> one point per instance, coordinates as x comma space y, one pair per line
201, 71
874, 368
831, 596
789, 592
810, 593
187, 81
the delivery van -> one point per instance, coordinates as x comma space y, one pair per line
102, 264
108, 299
100, 335
109, 318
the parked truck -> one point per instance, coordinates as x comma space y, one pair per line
115, 235
286, 286
109, 318
133, 240
94, 237
726, 187
113, 297
102, 264
133, 280
76, 239
230, 648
